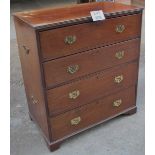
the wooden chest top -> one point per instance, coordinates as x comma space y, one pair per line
73, 14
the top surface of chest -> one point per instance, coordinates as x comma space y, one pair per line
73, 14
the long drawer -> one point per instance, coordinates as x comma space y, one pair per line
75, 120
64, 41
71, 67
83, 91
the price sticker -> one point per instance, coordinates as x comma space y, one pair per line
97, 15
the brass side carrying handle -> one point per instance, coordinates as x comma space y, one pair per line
75, 121
72, 69
119, 54
118, 79
34, 101
70, 39
120, 28
117, 103
74, 94
27, 50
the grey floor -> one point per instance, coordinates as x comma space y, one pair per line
120, 136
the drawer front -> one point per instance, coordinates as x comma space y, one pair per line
90, 114
72, 39
71, 67
83, 91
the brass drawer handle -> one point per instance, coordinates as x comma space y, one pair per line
70, 39
120, 28
117, 103
76, 121
119, 54
72, 69
74, 94
118, 79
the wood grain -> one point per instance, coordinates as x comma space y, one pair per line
92, 113
91, 88
89, 35
31, 71
45, 56
90, 61
50, 17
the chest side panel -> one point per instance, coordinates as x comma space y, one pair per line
28, 53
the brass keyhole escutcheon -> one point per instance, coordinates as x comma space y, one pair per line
120, 28
76, 121
74, 94
118, 79
72, 69
70, 39
119, 54
117, 103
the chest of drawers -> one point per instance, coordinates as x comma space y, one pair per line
78, 73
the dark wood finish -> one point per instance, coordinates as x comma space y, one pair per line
91, 88
59, 141
56, 144
53, 146
131, 112
53, 45
89, 62
31, 71
51, 17
85, 1
92, 113
45, 57
88, 1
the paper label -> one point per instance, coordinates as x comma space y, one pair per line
97, 15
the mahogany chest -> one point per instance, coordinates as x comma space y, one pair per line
78, 73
